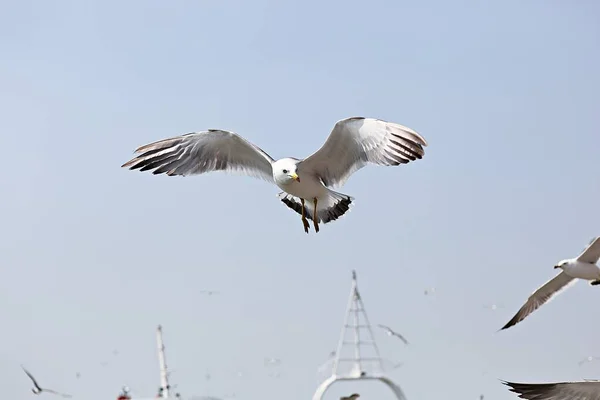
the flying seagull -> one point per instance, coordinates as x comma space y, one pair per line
588, 359
353, 143
582, 267
38, 390
209, 292
353, 396
585, 390
391, 332
429, 291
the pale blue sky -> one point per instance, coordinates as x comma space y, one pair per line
93, 256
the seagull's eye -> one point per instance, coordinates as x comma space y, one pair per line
285, 171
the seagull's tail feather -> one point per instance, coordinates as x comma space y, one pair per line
329, 208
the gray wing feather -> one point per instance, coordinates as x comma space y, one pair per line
355, 142
591, 254
589, 390
200, 152
57, 393
544, 294
401, 337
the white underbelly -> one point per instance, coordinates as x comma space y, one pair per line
305, 189
584, 271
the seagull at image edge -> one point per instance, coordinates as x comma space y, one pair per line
585, 390
582, 267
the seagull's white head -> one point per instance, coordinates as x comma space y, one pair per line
285, 171
36, 390
562, 264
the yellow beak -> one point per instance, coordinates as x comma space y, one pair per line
295, 177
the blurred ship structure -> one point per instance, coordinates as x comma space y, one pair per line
357, 356
164, 390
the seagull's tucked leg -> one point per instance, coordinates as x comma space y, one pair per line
333, 205
315, 216
596, 282
304, 220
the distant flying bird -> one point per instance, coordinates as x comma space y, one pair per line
429, 291
209, 292
272, 361
493, 307
586, 390
391, 332
353, 143
582, 267
353, 396
38, 390
588, 359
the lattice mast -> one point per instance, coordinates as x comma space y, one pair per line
162, 361
356, 319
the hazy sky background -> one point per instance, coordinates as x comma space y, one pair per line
94, 256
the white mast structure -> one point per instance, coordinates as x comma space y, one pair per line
356, 319
164, 373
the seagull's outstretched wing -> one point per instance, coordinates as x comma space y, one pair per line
541, 296
31, 377
356, 141
67, 396
588, 390
591, 254
200, 152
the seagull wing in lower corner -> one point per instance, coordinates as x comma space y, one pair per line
544, 294
587, 390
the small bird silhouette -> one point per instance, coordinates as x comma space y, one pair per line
391, 332
38, 390
353, 396
209, 292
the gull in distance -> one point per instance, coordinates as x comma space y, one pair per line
391, 332
38, 390
582, 267
353, 396
353, 143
